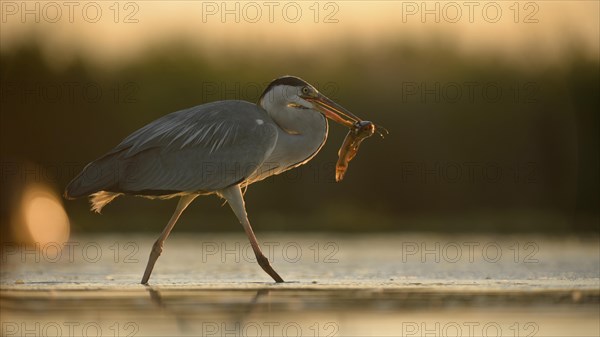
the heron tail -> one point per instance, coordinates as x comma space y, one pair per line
96, 180
100, 199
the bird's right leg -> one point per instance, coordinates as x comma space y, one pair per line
158, 245
235, 199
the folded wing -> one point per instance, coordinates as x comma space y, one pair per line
201, 149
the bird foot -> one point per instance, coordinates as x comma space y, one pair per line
157, 249
263, 262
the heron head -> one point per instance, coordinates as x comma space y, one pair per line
294, 95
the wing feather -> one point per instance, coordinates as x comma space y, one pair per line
204, 148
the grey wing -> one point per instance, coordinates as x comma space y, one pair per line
201, 149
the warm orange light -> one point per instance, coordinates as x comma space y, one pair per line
43, 218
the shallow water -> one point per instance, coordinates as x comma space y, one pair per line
374, 285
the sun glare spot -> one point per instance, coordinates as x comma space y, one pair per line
44, 218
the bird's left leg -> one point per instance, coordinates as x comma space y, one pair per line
235, 199
158, 245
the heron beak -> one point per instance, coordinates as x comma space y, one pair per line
333, 111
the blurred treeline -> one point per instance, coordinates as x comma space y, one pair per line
476, 143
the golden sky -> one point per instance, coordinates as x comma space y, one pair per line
108, 33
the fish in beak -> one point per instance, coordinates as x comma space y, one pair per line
359, 130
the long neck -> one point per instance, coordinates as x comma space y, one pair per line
301, 134
301, 144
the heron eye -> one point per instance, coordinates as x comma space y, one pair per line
305, 90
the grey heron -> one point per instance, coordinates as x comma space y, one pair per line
215, 148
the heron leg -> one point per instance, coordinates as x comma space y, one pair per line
234, 197
157, 248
